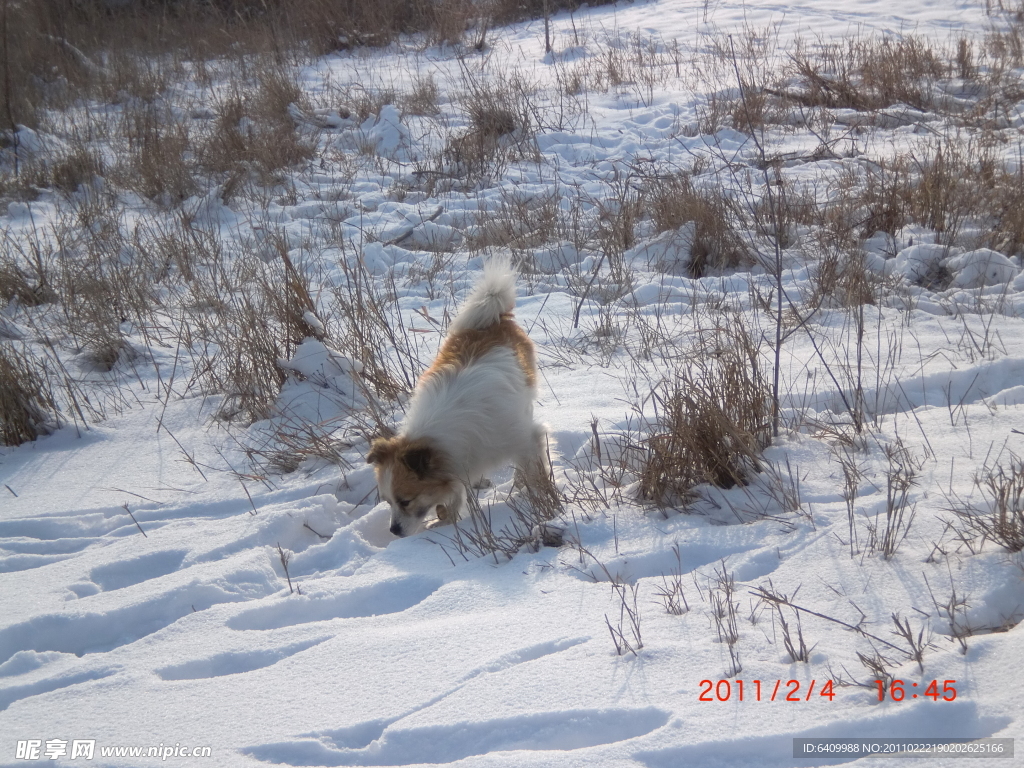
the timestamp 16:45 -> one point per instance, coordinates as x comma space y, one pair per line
897, 690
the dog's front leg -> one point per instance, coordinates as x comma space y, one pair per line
452, 511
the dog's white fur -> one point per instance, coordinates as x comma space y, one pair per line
466, 417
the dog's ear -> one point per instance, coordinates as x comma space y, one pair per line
381, 449
419, 460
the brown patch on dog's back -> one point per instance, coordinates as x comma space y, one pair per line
463, 347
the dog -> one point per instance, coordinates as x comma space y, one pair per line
471, 412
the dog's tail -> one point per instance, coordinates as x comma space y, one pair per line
492, 296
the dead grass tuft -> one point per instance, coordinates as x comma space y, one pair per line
157, 162
1001, 517
841, 278
674, 201
499, 131
238, 351
708, 423
256, 131
373, 333
528, 527
954, 187
28, 282
423, 98
868, 73
28, 408
78, 167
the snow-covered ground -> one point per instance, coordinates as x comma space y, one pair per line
164, 583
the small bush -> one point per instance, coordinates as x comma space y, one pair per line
255, 129
27, 406
708, 423
869, 74
423, 99
1002, 518
239, 349
500, 127
674, 201
156, 164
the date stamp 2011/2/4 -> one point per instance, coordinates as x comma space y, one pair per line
764, 690
796, 690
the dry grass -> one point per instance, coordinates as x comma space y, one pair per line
156, 163
522, 224
25, 277
528, 527
500, 128
706, 424
363, 102
372, 332
28, 407
953, 185
102, 282
64, 173
674, 201
901, 477
243, 322
868, 73
239, 351
60, 50
423, 98
78, 167
1000, 516
295, 441
841, 278
255, 131
671, 591
724, 613
625, 632
617, 218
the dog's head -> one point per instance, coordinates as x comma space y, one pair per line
414, 478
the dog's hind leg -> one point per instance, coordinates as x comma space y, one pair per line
543, 449
534, 469
534, 478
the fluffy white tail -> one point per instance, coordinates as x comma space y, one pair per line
492, 296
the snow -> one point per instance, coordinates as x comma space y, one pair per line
980, 268
159, 586
917, 262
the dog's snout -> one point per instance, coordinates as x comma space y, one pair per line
396, 528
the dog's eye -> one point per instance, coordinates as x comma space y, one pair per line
403, 503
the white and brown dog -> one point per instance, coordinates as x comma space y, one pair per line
471, 412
